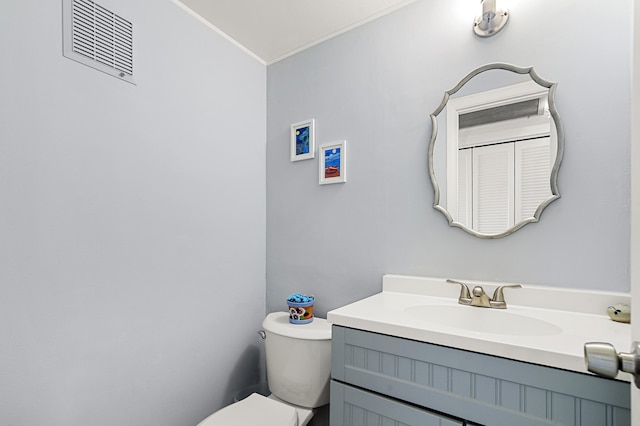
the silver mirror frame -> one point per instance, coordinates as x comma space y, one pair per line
554, 171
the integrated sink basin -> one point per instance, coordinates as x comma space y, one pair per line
541, 325
482, 320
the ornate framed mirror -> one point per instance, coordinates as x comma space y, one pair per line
495, 150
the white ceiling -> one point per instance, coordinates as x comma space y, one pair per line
274, 29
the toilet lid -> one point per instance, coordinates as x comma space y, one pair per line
253, 410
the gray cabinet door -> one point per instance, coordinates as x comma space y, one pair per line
351, 406
484, 389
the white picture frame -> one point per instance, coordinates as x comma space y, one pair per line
303, 140
333, 163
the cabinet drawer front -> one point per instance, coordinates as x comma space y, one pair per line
476, 387
354, 407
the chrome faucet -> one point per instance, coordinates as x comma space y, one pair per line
477, 297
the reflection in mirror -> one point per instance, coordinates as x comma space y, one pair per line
495, 150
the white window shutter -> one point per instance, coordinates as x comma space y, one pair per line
493, 176
533, 163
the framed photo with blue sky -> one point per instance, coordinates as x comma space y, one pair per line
303, 140
333, 163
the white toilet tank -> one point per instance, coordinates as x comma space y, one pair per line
298, 359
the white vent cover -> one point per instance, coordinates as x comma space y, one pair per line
97, 37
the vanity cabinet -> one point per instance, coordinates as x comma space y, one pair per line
385, 380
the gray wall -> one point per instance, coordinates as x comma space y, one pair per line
375, 86
132, 230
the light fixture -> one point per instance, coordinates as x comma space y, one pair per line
491, 21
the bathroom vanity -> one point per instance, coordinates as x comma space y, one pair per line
411, 355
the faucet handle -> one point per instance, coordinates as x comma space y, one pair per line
465, 295
497, 301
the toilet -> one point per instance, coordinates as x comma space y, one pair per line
298, 371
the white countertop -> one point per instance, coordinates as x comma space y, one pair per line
580, 315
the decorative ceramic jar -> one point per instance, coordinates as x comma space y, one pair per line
300, 308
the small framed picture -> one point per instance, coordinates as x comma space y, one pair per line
303, 140
333, 163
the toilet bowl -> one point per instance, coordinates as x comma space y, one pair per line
298, 371
254, 410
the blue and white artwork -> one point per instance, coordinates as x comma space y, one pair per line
332, 162
302, 140
303, 145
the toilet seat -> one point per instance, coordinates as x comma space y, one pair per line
253, 410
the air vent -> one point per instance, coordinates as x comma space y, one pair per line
505, 112
99, 38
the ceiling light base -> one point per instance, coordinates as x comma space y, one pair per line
484, 27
